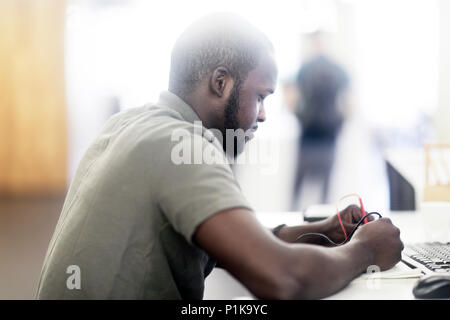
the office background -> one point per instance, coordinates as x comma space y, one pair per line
67, 66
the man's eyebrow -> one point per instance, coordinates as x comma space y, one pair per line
269, 90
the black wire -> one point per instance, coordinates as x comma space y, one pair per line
360, 222
319, 235
349, 236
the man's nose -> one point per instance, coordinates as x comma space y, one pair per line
261, 115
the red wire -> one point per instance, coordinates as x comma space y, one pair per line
363, 212
342, 225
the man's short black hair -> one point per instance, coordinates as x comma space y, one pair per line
219, 39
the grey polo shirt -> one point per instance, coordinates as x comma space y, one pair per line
126, 228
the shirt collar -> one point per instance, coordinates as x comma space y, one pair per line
171, 101
174, 102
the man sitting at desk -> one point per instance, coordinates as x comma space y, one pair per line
140, 222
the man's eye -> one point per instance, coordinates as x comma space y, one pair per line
260, 98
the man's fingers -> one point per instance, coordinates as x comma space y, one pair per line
355, 212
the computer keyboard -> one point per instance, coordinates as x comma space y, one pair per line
434, 255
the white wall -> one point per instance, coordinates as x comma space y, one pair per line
442, 116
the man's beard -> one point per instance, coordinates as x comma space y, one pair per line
231, 124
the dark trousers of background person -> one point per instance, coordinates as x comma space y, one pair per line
315, 160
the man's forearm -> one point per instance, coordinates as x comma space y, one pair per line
321, 271
291, 233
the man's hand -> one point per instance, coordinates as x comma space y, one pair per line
350, 216
382, 239
330, 227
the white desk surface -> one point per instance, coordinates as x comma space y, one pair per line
361, 288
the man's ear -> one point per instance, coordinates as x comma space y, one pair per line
220, 80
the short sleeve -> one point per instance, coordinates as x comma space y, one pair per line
189, 192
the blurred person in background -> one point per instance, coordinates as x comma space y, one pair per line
321, 84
